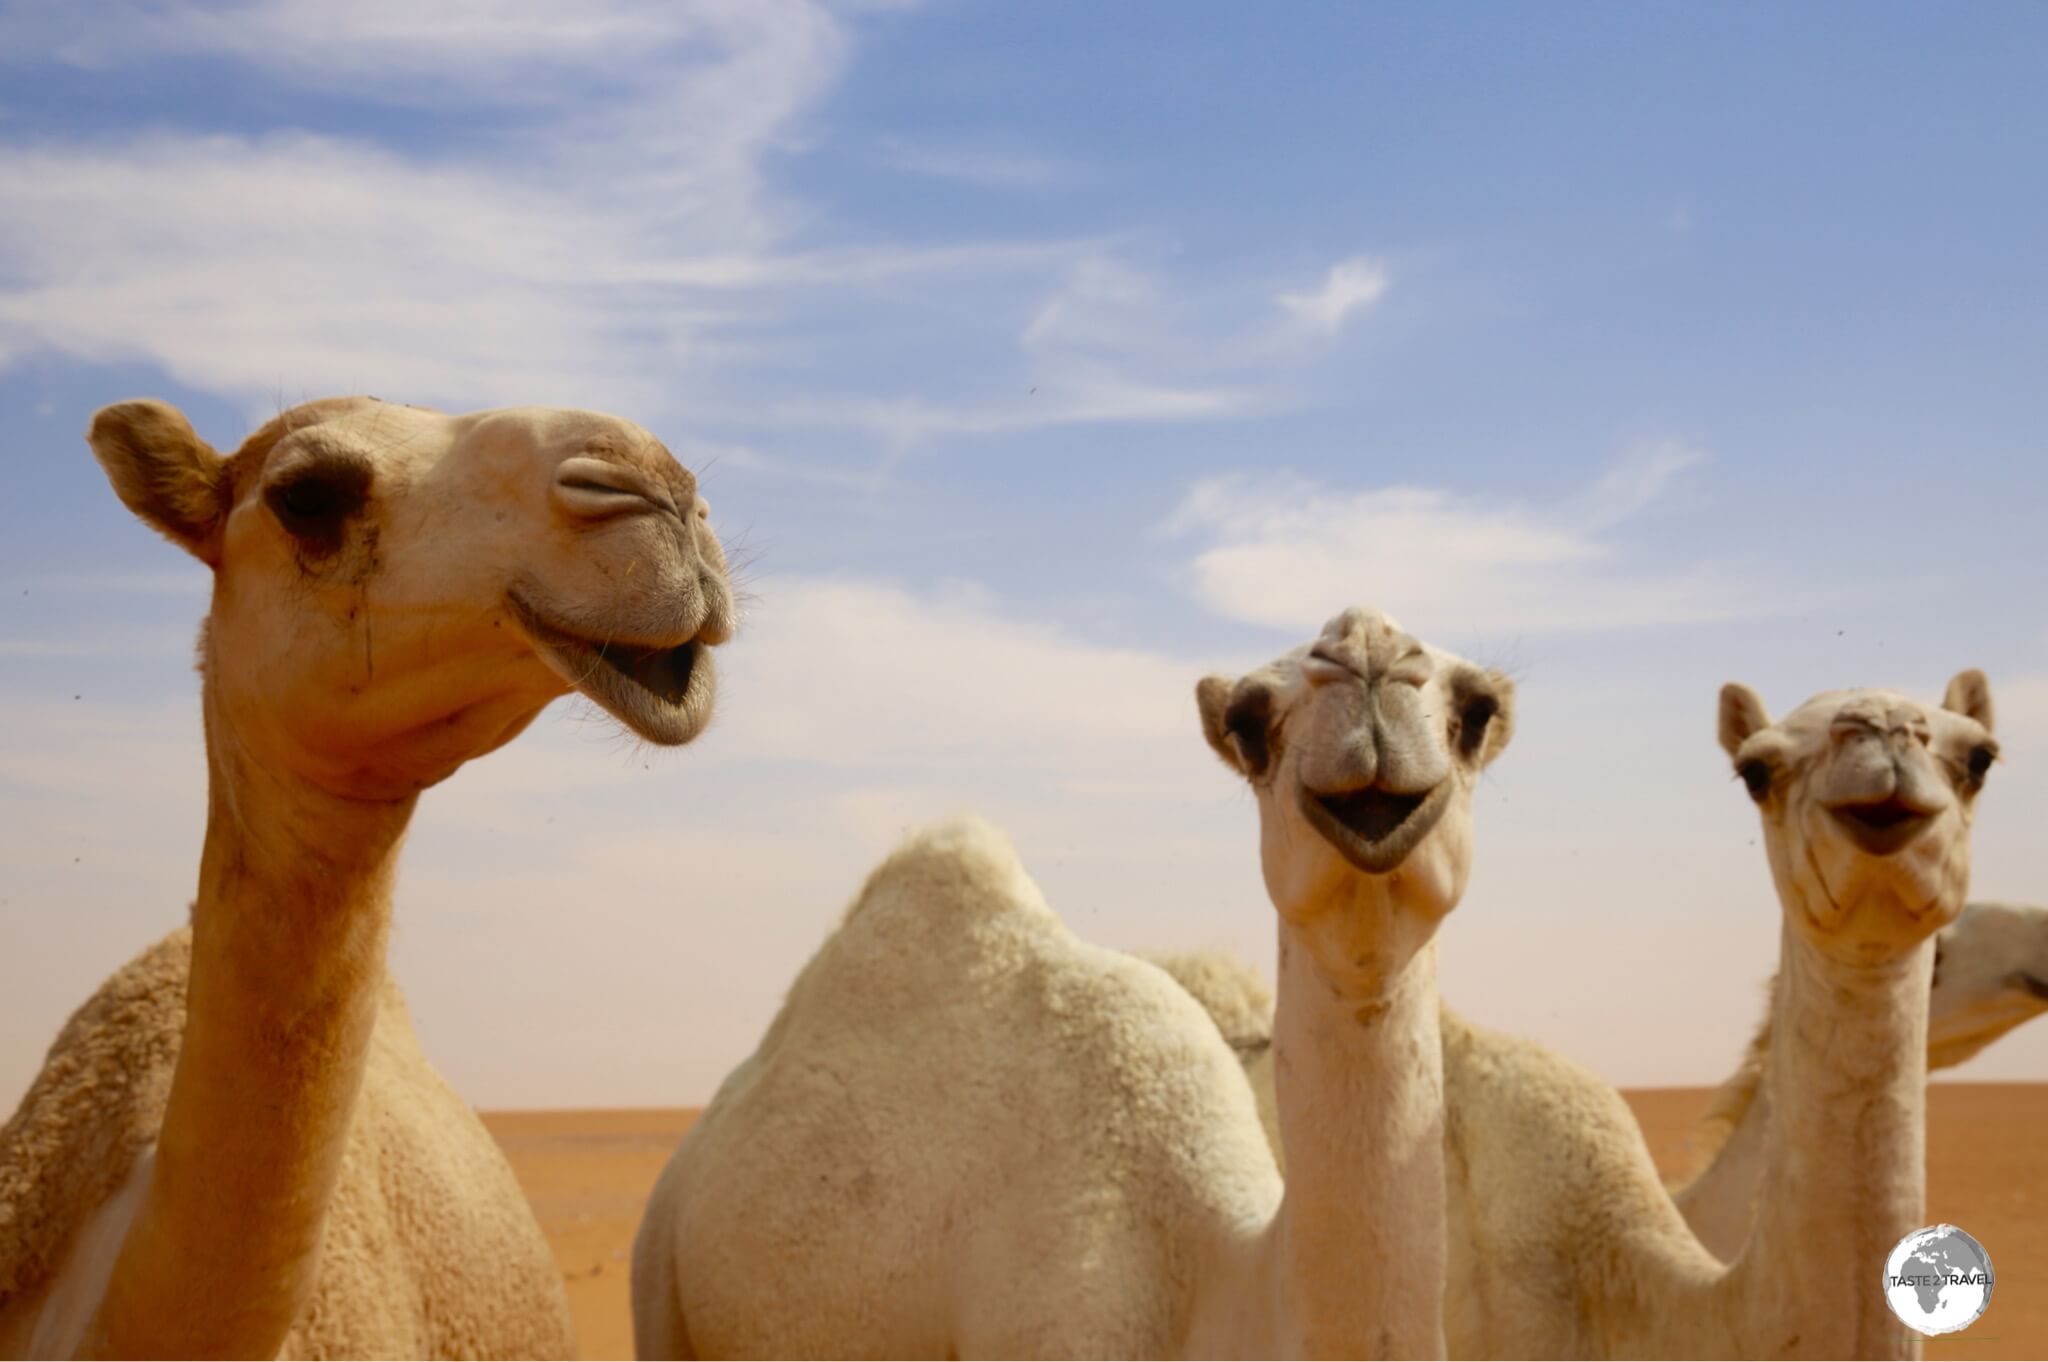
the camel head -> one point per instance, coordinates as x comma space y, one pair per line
397, 590
1362, 749
1990, 975
1866, 797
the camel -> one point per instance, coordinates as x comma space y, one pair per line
1564, 1242
236, 1147
1990, 976
968, 1133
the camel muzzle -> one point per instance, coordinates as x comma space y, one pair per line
1375, 829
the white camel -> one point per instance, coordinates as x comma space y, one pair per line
236, 1146
970, 1134
1990, 977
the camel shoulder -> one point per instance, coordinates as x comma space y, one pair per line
1520, 1117
1490, 1075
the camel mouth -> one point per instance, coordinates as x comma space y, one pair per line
2031, 984
1883, 827
1375, 829
662, 692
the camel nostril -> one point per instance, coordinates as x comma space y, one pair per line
597, 489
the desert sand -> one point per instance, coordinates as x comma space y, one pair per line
588, 1173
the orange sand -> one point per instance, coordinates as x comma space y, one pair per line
588, 1174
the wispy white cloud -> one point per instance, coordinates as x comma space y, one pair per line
1070, 398
1110, 343
919, 673
994, 169
614, 249
511, 51
1632, 485
1350, 285
625, 248
1278, 549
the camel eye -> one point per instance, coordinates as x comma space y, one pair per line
1756, 774
1473, 721
315, 506
308, 499
1981, 758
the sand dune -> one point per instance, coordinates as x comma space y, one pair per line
588, 1173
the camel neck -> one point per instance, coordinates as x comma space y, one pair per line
288, 941
1358, 1078
1844, 1172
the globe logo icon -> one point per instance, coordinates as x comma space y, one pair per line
1938, 1280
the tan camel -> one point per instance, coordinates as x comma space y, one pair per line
970, 1134
236, 1146
1990, 976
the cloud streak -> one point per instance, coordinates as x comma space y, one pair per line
615, 238
1351, 286
988, 169
1277, 550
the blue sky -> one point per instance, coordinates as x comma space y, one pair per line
1041, 358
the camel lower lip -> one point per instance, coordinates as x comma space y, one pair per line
1883, 827
663, 693
1375, 829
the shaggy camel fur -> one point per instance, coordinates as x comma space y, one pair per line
970, 1134
1990, 976
236, 1146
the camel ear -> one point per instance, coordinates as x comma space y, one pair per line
164, 473
1969, 694
1742, 713
1235, 720
1486, 715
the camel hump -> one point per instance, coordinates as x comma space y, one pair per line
958, 866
